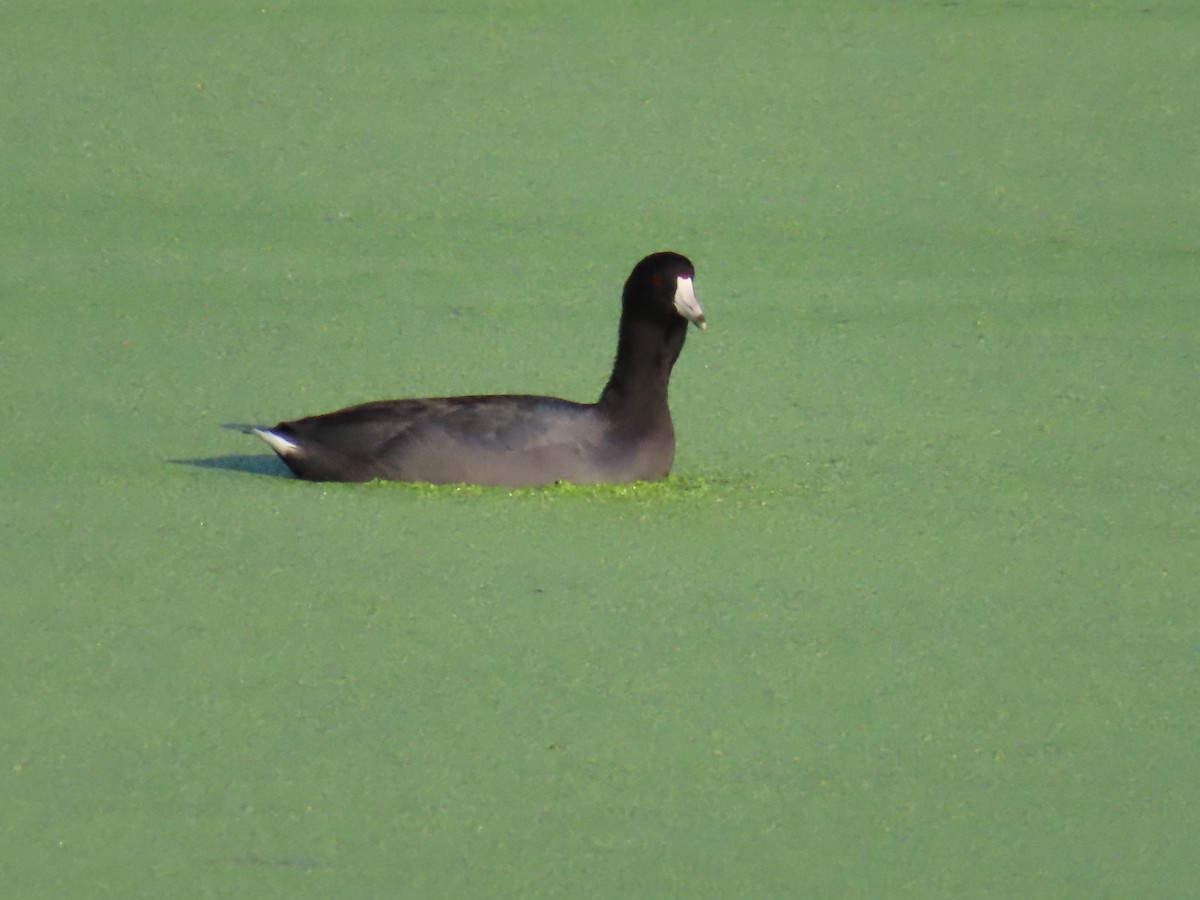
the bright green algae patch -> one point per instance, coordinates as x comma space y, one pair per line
675, 487
913, 617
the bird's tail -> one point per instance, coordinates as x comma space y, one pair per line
281, 444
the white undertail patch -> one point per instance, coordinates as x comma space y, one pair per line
281, 445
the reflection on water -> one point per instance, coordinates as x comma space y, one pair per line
259, 464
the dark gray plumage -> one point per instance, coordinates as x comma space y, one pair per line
517, 440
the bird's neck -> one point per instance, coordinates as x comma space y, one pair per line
646, 353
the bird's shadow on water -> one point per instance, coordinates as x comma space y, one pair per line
261, 464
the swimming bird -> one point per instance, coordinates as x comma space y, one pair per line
519, 440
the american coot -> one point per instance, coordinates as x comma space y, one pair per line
520, 440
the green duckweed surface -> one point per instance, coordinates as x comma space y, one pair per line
916, 614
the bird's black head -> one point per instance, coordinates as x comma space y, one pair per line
660, 287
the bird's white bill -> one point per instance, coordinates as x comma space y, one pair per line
686, 304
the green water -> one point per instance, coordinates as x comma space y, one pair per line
914, 617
